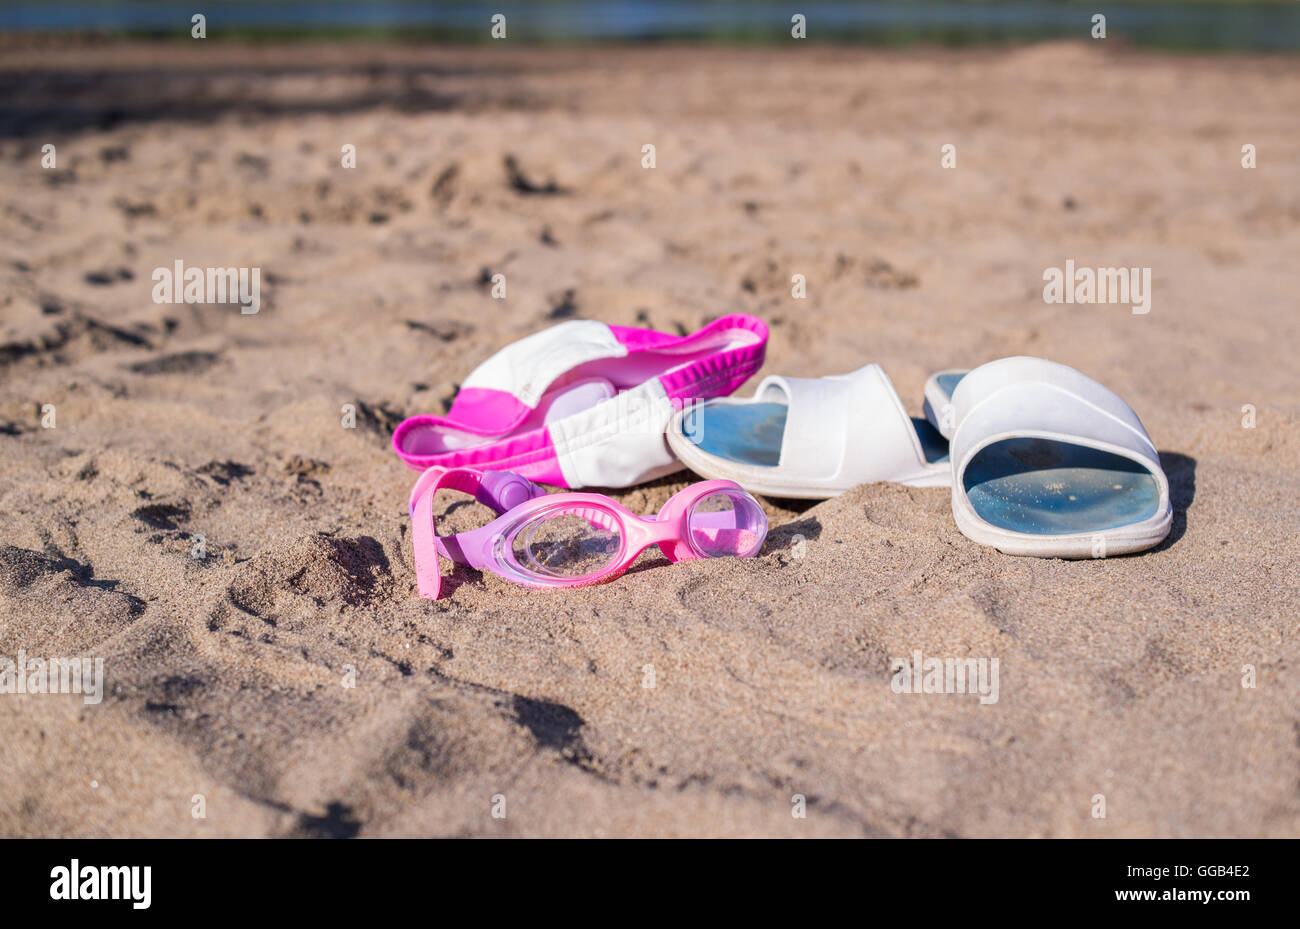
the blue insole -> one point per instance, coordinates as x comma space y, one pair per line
1045, 487
933, 445
751, 433
948, 382
747, 433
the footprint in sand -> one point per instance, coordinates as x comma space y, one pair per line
445, 330
521, 183
55, 603
296, 587
377, 420
105, 278
223, 472
180, 363
166, 516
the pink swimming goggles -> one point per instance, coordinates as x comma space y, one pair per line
576, 539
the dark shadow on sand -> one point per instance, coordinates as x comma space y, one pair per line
1181, 471
784, 537
38, 103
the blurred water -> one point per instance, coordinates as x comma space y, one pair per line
1169, 23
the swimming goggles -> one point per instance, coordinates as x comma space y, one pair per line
576, 539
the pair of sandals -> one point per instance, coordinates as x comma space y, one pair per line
1042, 460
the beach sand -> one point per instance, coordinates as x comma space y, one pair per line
225, 675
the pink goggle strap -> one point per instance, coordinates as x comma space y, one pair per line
500, 490
424, 536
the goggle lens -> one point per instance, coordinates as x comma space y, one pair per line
727, 524
567, 543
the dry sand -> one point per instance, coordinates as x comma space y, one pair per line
225, 675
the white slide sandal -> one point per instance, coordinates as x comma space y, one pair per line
811, 437
1048, 462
